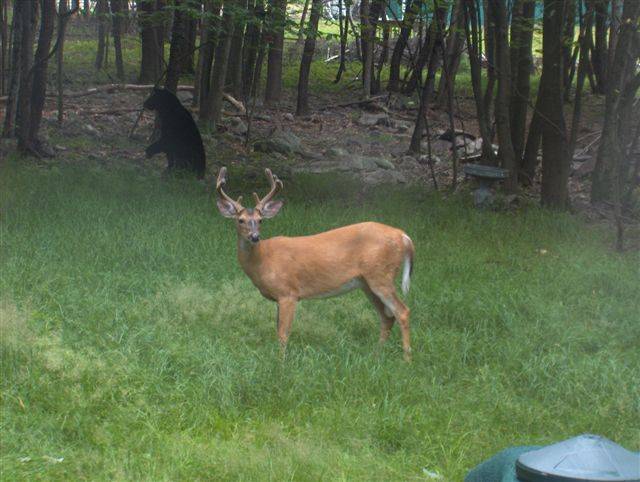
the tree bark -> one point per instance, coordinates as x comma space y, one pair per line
506, 154
277, 18
62, 10
117, 17
102, 11
406, 26
208, 42
4, 19
436, 40
521, 64
177, 49
234, 70
610, 174
555, 161
302, 107
151, 36
219, 72
303, 18
252, 38
599, 55
453, 52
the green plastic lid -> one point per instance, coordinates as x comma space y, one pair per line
586, 458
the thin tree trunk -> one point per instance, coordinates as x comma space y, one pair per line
366, 45
277, 17
435, 42
621, 89
599, 56
252, 45
344, 30
4, 19
62, 10
190, 34
234, 70
384, 55
208, 41
302, 107
453, 52
408, 20
303, 18
555, 161
117, 13
221, 62
472, 31
102, 11
521, 65
529, 162
568, 58
506, 154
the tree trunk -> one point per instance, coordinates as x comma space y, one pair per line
384, 55
219, 72
177, 49
86, 8
555, 162
568, 57
453, 51
4, 19
599, 56
208, 41
344, 30
252, 38
521, 65
102, 11
529, 162
303, 18
609, 173
277, 18
472, 32
302, 107
365, 40
190, 34
151, 42
410, 12
234, 70
118, 14
506, 154
435, 41
62, 11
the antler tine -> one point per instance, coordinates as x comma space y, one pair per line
222, 179
276, 185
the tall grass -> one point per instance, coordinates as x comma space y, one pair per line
133, 346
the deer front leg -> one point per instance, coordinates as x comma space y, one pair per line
286, 312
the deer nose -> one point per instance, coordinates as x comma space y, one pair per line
254, 237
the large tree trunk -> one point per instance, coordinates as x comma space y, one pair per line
277, 18
177, 49
555, 161
151, 42
506, 154
610, 172
4, 37
302, 107
118, 14
219, 72
521, 64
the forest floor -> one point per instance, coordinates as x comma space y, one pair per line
133, 347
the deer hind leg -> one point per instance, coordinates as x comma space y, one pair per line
393, 304
286, 312
386, 319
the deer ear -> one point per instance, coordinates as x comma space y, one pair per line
270, 209
227, 209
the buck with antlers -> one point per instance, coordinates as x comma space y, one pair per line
366, 255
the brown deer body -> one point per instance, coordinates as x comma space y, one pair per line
365, 255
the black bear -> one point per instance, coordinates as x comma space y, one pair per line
180, 138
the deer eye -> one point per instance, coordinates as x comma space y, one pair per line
259, 221
241, 221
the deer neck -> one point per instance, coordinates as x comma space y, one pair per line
249, 256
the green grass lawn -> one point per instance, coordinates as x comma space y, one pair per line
134, 347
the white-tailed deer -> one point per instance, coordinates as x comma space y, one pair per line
286, 270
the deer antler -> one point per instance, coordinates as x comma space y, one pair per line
222, 179
276, 185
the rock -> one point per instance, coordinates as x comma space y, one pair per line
360, 163
402, 126
373, 119
238, 126
583, 169
424, 159
336, 152
384, 163
89, 129
282, 142
288, 117
383, 177
185, 96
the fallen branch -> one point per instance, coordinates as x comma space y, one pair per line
354, 102
236, 103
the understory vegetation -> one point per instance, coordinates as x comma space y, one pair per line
133, 347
